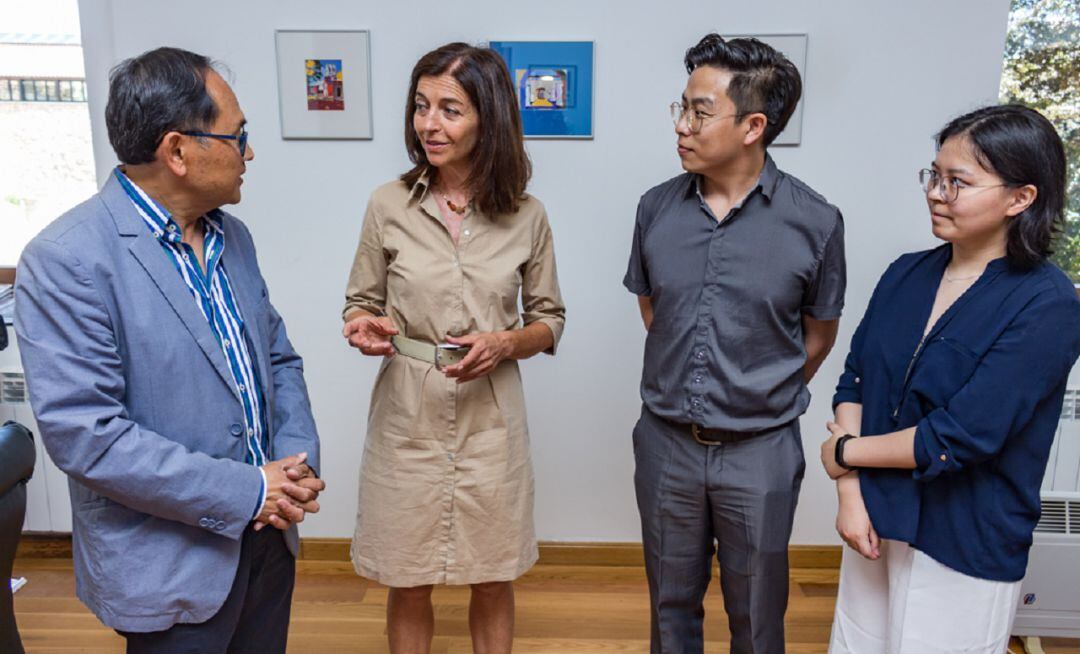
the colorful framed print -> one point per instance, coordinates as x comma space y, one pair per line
324, 84
554, 84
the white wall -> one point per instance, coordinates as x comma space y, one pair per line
881, 78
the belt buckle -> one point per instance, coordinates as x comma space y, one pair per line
695, 431
454, 355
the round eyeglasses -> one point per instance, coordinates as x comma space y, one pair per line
947, 187
694, 119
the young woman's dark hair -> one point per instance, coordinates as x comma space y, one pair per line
500, 166
1020, 146
763, 80
154, 93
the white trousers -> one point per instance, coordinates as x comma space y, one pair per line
907, 603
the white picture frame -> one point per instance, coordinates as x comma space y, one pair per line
792, 46
332, 98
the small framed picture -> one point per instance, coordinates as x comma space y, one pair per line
324, 84
554, 84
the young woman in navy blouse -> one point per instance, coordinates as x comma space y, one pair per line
950, 399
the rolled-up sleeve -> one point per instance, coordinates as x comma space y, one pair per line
824, 296
366, 289
637, 276
541, 299
849, 387
1027, 364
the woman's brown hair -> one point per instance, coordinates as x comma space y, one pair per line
500, 167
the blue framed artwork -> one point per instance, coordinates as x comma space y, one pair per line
554, 82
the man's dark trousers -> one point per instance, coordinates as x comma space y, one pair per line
255, 616
737, 499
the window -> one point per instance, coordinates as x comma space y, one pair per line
42, 90
1042, 71
46, 158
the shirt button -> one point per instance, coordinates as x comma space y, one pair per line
701, 354
697, 380
185, 256
225, 342
456, 263
466, 232
944, 458
172, 228
251, 432
241, 387
858, 380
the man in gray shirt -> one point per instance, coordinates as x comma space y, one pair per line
739, 272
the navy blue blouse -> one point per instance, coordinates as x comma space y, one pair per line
984, 391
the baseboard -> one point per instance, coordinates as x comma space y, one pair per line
44, 546
593, 554
325, 549
58, 546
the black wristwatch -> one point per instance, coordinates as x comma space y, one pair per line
839, 454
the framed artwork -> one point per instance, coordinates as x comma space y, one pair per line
324, 84
554, 83
793, 46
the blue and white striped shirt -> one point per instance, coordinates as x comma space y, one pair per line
213, 294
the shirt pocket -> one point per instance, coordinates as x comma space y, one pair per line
942, 370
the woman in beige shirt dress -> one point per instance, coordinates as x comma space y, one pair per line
446, 484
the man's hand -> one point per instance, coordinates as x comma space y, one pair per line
290, 492
828, 452
371, 335
305, 487
486, 350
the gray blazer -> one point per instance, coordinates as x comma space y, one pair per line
135, 403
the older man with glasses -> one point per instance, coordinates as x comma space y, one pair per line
739, 272
163, 381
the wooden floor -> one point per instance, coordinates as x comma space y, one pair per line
560, 609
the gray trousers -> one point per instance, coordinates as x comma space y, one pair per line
735, 499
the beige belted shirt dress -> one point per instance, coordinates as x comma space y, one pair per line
446, 483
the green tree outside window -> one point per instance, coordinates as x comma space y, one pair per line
1042, 71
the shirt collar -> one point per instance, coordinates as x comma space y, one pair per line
420, 186
158, 219
768, 179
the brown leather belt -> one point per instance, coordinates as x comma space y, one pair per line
707, 436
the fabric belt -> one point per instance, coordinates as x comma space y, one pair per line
438, 355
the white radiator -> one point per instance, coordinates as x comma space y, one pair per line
1050, 595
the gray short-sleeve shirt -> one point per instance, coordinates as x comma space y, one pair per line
725, 349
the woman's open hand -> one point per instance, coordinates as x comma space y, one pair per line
371, 335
